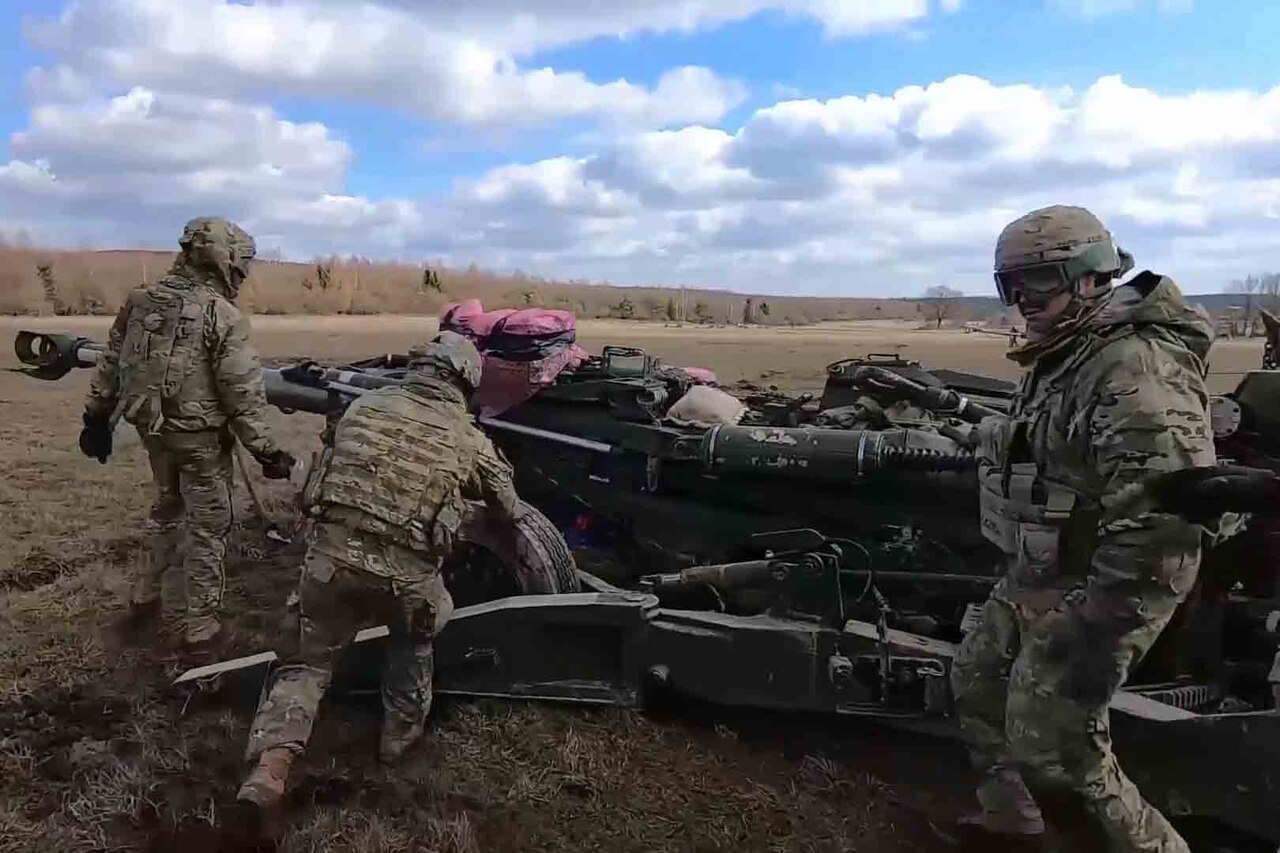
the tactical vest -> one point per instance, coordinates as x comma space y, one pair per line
401, 459
1035, 506
163, 344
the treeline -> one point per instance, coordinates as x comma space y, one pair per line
35, 281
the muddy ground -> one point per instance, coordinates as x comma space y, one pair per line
96, 753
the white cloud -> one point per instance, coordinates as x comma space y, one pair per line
126, 168
153, 114
444, 61
890, 193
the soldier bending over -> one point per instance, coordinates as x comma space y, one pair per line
388, 499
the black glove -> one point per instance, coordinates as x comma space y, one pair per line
306, 373
95, 438
277, 466
1203, 494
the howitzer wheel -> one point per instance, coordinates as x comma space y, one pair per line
486, 566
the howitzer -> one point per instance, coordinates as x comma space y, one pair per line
802, 452
863, 616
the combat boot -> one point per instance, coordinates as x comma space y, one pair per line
264, 787
397, 737
978, 832
202, 633
142, 617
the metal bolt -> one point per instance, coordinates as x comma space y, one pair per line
839, 671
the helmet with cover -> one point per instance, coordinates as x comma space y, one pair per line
1051, 250
214, 247
451, 357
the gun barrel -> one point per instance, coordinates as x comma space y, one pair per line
828, 454
724, 576
52, 355
938, 399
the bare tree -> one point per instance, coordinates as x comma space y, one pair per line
941, 303
1269, 289
1248, 288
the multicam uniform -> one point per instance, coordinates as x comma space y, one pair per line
180, 367
388, 498
1119, 396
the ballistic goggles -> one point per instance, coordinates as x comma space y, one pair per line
1040, 282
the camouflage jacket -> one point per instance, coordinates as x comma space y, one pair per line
1122, 398
179, 359
402, 464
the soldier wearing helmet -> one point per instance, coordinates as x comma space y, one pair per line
387, 497
180, 367
1113, 390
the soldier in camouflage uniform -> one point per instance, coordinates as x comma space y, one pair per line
387, 496
179, 366
1114, 390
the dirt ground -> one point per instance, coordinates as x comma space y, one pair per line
96, 753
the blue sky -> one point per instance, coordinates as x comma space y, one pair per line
438, 153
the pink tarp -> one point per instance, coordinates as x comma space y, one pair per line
533, 322
470, 319
504, 383
701, 376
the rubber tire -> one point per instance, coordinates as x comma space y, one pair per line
541, 562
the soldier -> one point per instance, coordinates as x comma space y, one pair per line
179, 366
1114, 390
387, 496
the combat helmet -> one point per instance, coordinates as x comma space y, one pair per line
1048, 250
449, 356
212, 245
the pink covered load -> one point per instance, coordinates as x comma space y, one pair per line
524, 350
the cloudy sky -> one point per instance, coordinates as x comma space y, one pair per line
852, 147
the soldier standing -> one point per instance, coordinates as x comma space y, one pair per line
1114, 390
387, 496
180, 367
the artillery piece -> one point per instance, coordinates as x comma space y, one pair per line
818, 554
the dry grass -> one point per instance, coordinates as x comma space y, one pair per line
39, 282
97, 754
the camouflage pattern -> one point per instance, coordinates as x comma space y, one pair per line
451, 357
334, 601
180, 367
191, 517
388, 498
1082, 602
1058, 234
179, 359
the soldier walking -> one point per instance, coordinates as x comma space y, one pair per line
180, 367
388, 498
1113, 391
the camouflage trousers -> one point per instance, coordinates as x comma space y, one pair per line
1033, 682
335, 599
188, 526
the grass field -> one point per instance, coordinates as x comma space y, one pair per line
96, 753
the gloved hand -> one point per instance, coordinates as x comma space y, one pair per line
1199, 495
277, 466
1202, 494
95, 438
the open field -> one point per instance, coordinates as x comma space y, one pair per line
95, 754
